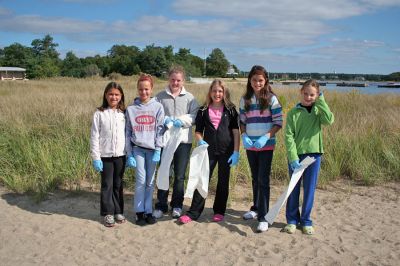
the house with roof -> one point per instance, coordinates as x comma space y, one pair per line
12, 73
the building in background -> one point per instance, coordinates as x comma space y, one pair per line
12, 73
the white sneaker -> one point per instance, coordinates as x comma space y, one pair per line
158, 214
176, 213
262, 226
250, 215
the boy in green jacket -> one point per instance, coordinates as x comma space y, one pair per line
303, 137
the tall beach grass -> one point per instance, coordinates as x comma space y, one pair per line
45, 127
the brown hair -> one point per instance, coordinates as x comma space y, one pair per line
177, 69
144, 77
310, 83
265, 93
110, 86
227, 96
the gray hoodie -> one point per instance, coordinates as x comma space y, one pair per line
144, 125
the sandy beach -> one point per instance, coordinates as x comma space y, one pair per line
355, 225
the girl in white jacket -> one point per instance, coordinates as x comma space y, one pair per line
107, 148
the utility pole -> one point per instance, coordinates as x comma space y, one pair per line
205, 63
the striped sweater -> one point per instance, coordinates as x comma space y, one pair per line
257, 123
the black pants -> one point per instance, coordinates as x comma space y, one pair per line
111, 195
260, 166
222, 193
180, 162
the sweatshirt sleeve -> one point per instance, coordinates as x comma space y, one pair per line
189, 119
323, 112
242, 112
95, 137
128, 134
159, 128
290, 143
276, 112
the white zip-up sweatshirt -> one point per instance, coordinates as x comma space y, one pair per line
107, 136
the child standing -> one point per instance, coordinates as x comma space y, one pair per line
216, 125
303, 137
107, 148
260, 119
143, 146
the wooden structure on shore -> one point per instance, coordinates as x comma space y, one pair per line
390, 85
12, 73
351, 84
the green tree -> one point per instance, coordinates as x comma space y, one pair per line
102, 62
152, 60
217, 64
123, 59
16, 55
72, 66
46, 56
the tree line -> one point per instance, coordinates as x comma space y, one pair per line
42, 60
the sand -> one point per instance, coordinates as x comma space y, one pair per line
354, 225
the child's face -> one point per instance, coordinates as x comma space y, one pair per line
308, 95
113, 97
217, 94
257, 83
144, 90
175, 82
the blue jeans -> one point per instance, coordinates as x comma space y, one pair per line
260, 166
180, 162
309, 178
144, 181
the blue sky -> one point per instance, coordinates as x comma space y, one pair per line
344, 36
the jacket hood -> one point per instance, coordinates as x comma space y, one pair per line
138, 102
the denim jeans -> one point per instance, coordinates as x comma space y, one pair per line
144, 181
111, 194
260, 166
309, 178
180, 162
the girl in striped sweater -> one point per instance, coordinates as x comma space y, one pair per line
260, 119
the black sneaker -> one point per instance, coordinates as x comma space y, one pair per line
150, 219
140, 219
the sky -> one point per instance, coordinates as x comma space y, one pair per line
326, 36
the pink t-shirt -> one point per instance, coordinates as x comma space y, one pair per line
215, 114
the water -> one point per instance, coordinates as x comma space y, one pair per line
371, 89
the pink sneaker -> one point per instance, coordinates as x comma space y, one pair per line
185, 219
218, 218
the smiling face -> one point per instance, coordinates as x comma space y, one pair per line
217, 95
144, 90
176, 81
257, 83
113, 97
308, 95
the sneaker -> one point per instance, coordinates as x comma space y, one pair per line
290, 228
250, 215
140, 219
150, 219
262, 227
308, 230
119, 218
185, 219
157, 214
176, 213
218, 218
109, 220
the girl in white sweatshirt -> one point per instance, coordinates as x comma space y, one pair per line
107, 148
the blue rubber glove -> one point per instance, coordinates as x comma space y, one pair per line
234, 159
130, 162
156, 156
178, 123
295, 165
261, 141
98, 165
201, 142
247, 143
167, 120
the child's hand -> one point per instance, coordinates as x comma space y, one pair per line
178, 123
295, 165
234, 159
156, 156
261, 141
247, 143
201, 142
98, 165
130, 162
168, 121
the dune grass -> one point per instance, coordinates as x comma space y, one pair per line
45, 127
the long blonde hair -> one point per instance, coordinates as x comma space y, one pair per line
227, 96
